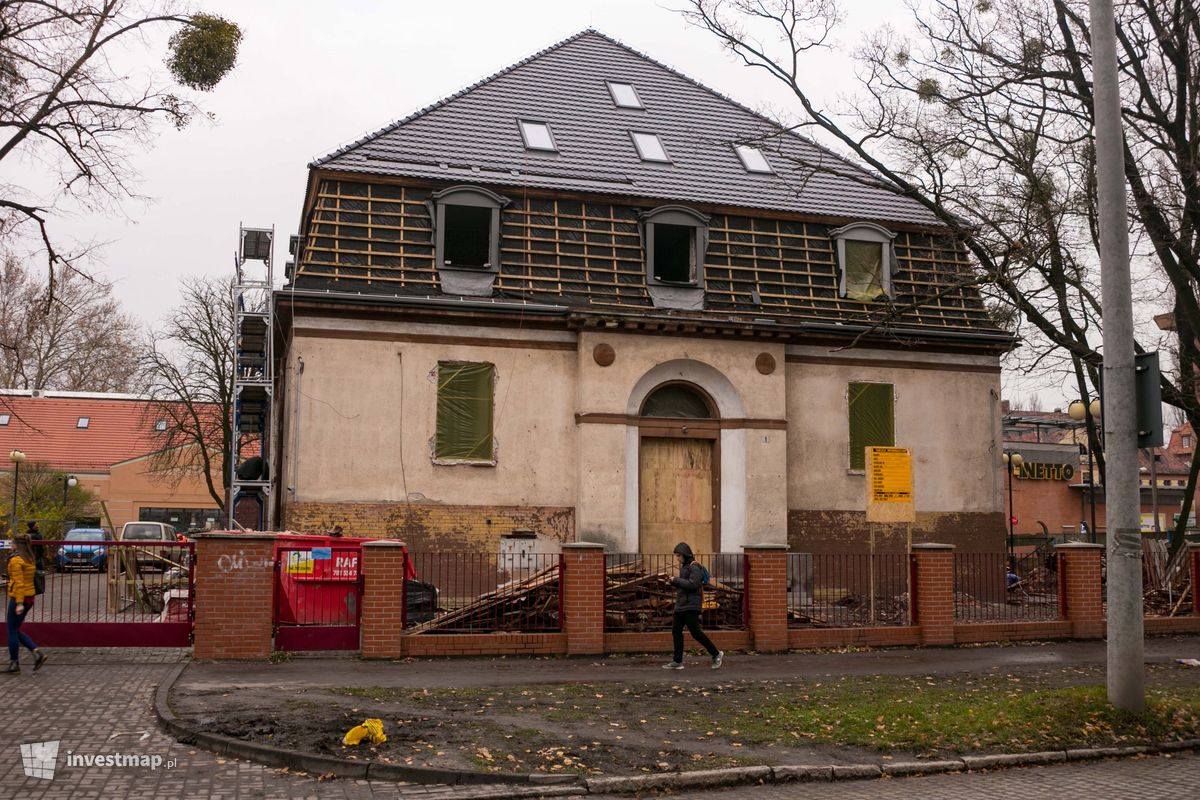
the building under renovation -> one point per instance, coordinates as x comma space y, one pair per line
590, 298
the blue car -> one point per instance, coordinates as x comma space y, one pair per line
84, 551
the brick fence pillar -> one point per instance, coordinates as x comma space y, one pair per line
933, 576
583, 597
235, 592
1194, 552
766, 566
1079, 588
383, 599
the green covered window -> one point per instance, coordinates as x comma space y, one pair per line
872, 420
464, 411
864, 270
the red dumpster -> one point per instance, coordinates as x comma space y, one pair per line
318, 580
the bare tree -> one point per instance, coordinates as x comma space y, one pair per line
187, 371
984, 117
66, 106
82, 341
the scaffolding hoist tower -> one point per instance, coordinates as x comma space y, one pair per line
253, 386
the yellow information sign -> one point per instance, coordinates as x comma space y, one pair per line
890, 471
889, 485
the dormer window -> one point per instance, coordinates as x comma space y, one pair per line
624, 95
466, 221
537, 135
675, 240
865, 261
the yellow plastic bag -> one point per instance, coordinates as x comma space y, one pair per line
370, 729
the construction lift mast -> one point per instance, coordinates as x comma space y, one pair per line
251, 471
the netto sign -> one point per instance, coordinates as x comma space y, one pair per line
1046, 472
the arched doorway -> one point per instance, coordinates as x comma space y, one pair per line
678, 469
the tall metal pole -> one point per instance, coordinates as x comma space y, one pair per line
1012, 514
1091, 495
1153, 455
16, 477
1126, 668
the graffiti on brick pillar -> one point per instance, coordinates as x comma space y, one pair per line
237, 562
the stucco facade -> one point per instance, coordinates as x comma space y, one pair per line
360, 417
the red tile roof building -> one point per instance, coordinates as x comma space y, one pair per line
105, 441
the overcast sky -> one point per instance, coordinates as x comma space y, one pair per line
313, 75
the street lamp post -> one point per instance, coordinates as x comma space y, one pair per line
69, 482
1012, 462
16, 457
1079, 411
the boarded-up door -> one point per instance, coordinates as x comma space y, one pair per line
676, 503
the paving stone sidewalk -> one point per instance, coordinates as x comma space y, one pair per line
99, 702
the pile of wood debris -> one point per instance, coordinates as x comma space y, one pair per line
641, 599
1167, 582
851, 611
529, 604
636, 599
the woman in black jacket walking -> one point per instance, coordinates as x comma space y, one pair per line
689, 600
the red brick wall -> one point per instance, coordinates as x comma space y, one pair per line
485, 644
1157, 626
1011, 631
382, 629
1050, 502
428, 526
1079, 574
660, 641
935, 593
768, 597
235, 583
583, 597
895, 636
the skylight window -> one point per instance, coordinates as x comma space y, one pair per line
649, 147
624, 95
83, 422
4, 418
752, 158
537, 135
160, 425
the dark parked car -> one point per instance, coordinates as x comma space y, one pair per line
84, 550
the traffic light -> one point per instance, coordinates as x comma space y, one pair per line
1012, 520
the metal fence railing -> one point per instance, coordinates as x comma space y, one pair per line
994, 587
848, 589
103, 581
460, 592
639, 596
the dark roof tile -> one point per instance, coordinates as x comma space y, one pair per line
473, 135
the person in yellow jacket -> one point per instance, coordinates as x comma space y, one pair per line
21, 568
